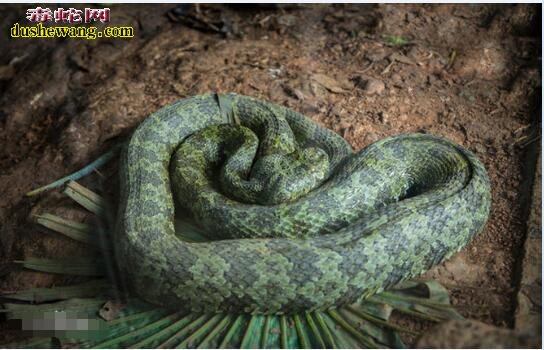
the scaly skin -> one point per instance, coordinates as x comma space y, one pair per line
375, 218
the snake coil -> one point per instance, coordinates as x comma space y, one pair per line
296, 220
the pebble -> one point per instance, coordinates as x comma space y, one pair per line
374, 87
480, 149
396, 79
403, 118
376, 55
410, 16
369, 85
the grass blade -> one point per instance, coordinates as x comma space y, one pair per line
253, 333
78, 174
75, 306
302, 336
283, 328
73, 229
315, 331
210, 340
40, 295
85, 197
376, 320
326, 332
365, 340
83, 266
155, 339
200, 333
266, 331
181, 334
122, 340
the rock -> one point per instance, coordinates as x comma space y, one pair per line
473, 334
403, 118
480, 149
370, 86
410, 16
376, 55
375, 87
397, 80
110, 310
275, 72
370, 138
292, 92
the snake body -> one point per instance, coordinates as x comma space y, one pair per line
297, 221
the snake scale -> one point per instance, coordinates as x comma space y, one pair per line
297, 220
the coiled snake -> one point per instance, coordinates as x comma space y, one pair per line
297, 221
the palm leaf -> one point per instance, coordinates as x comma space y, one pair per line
80, 266
140, 325
77, 231
40, 295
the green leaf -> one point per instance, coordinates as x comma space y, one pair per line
324, 330
271, 333
395, 40
85, 197
187, 330
364, 339
155, 339
140, 333
316, 337
81, 266
80, 173
39, 295
199, 334
340, 336
289, 337
379, 310
80, 307
302, 334
75, 230
253, 332
212, 339
437, 292
376, 321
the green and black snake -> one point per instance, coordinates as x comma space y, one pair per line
297, 220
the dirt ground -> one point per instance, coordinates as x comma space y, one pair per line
467, 72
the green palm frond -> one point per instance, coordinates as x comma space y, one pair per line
136, 324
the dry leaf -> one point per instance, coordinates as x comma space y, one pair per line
329, 83
400, 58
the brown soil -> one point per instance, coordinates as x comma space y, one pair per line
467, 72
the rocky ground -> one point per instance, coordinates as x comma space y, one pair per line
467, 72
